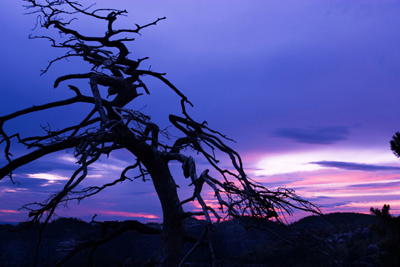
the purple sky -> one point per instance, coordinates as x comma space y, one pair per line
308, 89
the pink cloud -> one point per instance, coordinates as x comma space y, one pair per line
333, 179
10, 211
129, 214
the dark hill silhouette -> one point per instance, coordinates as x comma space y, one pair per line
346, 239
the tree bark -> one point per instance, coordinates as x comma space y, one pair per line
170, 251
172, 234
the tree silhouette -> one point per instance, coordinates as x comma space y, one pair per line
395, 144
389, 229
111, 126
382, 213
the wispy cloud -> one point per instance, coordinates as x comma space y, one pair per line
129, 214
355, 166
47, 176
395, 184
10, 211
373, 203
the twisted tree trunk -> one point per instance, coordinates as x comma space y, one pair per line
170, 251
172, 234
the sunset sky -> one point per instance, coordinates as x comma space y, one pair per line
308, 89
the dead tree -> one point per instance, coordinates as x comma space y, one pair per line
111, 126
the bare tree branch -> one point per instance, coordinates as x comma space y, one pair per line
112, 126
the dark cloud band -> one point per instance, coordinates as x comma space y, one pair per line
314, 135
355, 166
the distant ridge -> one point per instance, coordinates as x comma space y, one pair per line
12, 223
